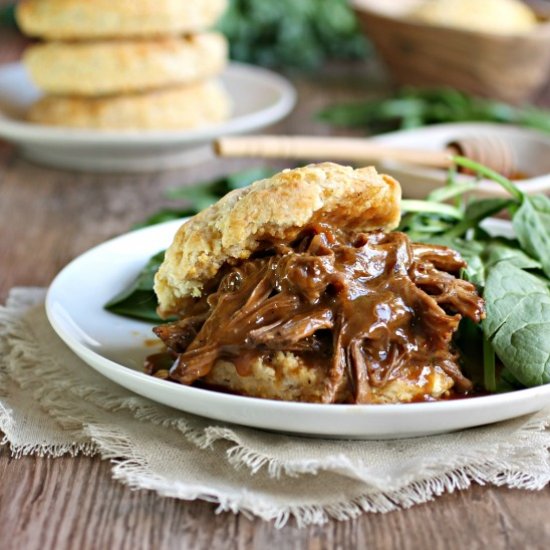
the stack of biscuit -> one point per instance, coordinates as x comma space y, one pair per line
126, 64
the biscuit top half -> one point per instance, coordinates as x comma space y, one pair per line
277, 208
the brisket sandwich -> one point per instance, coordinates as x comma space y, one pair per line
296, 289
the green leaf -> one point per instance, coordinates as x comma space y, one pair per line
413, 107
247, 177
431, 207
140, 304
450, 191
508, 382
289, 33
138, 300
476, 212
352, 115
532, 226
165, 215
503, 250
202, 195
193, 193
488, 173
469, 340
518, 322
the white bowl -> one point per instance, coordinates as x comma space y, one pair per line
532, 150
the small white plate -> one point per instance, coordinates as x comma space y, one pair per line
116, 347
260, 97
530, 147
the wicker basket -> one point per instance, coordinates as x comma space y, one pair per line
507, 67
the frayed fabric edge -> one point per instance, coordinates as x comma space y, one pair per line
135, 472
239, 455
39, 449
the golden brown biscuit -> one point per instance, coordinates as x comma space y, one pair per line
112, 67
86, 19
171, 109
287, 378
276, 208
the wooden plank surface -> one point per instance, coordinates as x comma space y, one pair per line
47, 217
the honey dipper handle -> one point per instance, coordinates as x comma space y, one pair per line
326, 148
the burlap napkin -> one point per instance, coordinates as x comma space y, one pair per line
52, 404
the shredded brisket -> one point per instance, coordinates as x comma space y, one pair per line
360, 306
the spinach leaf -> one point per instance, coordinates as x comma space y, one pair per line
499, 250
508, 382
414, 107
447, 192
476, 212
532, 226
469, 340
139, 300
518, 322
490, 174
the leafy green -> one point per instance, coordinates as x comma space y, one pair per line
499, 250
413, 107
138, 300
508, 382
292, 33
476, 212
165, 215
532, 226
518, 322
489, 174
451, 191
507, 271
430, 207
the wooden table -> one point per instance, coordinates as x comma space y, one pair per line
47, 217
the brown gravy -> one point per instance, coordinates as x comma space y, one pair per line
367, 308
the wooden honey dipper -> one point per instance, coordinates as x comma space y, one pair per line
491, 151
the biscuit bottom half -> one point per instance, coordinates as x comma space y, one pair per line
175, 108
331, 317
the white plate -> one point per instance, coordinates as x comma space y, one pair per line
530, 147
259, 97
115, 347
